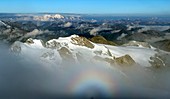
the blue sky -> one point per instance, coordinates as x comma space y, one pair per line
87, 6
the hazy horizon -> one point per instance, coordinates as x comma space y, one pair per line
96, 14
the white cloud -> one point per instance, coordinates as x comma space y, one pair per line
68, 24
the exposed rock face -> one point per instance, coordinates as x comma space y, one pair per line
125, 60
30, 41
111, 61
144, 35
66, 55
138, 44
153, 33
82, 41
163, 45
49, 55
53, 45
122, 61
136, 37
16, 48
156, 61
102, 40
108, 52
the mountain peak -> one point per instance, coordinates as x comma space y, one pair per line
48, 17
77, 47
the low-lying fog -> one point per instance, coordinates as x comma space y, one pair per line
22, 78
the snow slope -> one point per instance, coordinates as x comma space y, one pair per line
56, 51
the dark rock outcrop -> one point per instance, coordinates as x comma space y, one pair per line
102, 40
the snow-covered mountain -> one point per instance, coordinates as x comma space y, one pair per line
75, 49
48, 17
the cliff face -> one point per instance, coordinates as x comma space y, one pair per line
102, 40
163, 45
